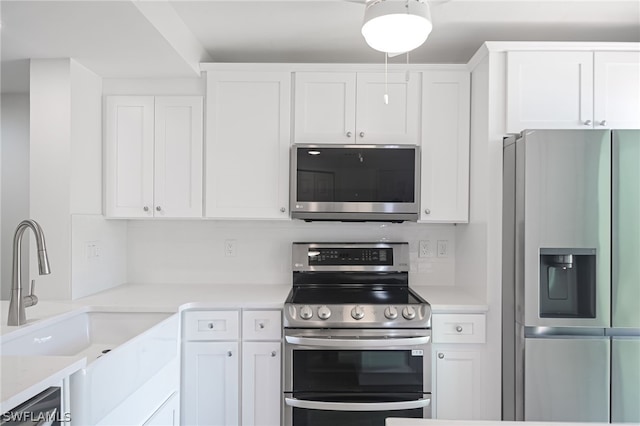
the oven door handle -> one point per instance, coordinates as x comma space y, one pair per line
357, 343
357, 406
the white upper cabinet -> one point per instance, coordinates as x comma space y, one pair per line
153, 161
248, 137
616, 96
572, 90
445, 147
349, 108
549, 90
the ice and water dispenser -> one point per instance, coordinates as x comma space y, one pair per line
567, 283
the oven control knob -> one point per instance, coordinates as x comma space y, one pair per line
324, 312
391, 313
409, 312
357, 313
306, 312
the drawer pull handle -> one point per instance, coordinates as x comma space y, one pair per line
441, 355
261, 325
273, 354
210, 325
459, 328
229, 354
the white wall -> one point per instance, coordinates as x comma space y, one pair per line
14, 191
193, 251
66, 180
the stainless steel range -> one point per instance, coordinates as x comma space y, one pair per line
357, 338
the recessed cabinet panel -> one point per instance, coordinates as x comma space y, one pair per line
459, 390
549, 90
129, 134
396, 121
325, 106
247, 158
616, 90
178, 156
261, 391
445, 147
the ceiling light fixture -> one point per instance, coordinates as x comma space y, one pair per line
396, 26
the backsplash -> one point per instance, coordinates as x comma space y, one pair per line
259, 252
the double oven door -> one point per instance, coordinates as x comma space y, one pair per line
343, 377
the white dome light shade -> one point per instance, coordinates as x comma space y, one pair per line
394, 26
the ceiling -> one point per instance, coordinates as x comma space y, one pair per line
168, 38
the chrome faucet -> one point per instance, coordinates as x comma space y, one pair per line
18, 303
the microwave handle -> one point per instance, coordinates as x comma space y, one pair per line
359, 343
357, 406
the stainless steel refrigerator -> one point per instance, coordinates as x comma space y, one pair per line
571, 276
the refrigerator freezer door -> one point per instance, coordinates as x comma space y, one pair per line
566, 179
561, 383
625, 380
626, 229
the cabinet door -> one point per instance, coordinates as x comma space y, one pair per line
210, 383
178, 156
445, 147
325, 107
549, 90
616, 90
247, 155
261, 392
129, 156
395, 122
459, 390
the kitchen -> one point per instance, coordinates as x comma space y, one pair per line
457, 272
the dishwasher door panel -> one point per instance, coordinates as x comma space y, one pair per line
567, 379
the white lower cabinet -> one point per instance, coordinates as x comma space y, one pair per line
458, 366
211, 374
227, 380
458, 375
261, 394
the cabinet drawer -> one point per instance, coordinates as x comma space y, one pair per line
211, 325
458, 328
261, 325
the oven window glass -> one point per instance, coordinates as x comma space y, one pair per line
356, 175
304, 417
387, 371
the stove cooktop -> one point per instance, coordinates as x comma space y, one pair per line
335, 295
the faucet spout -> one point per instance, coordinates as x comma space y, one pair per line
19, 302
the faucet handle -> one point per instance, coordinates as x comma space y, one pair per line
31, 299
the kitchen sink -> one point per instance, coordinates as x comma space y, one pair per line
91, 334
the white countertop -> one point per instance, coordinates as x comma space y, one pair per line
436, 422
23, 377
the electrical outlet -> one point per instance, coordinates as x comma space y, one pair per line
426, 248
91, 249
230, 248
443, 248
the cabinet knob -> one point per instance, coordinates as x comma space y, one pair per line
427, 211
229, 354
362, 134
261, 325
587, 123
210, 325
441, 355
459, 328
273, 354
282, 209
603, 123
145, 208
158, 208
349, 134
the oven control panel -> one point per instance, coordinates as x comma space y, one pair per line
346, 316
350, 257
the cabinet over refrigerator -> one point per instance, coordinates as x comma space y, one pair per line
571, 276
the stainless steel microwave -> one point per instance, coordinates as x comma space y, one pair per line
355, 182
